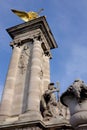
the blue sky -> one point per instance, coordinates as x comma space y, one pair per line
68, 22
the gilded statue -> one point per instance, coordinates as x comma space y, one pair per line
27, 16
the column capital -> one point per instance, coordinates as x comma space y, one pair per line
37, 37
35, 26
15, 42
18, 41
48, 53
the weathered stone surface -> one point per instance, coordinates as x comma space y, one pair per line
29, 71
36, 125
49, 106
76, 99
28, 78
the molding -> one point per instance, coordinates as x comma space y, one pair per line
38, 123
38, 23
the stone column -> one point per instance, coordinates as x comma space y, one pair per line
46, 75
7, 98
35, 81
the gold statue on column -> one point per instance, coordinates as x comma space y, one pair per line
27, 16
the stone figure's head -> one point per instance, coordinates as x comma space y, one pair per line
78, 80
51, 86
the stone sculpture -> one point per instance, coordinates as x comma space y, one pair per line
76, 99
78, 89
49, 102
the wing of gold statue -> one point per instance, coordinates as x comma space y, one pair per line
23, 15
26, 16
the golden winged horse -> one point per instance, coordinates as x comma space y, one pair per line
27, 16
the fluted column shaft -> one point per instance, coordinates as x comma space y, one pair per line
7, 98
46, 75
35, 81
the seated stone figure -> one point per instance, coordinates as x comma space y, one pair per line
49, 103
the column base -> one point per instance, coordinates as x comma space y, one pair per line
30, 116
3, 118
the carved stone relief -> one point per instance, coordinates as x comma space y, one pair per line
24, 58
